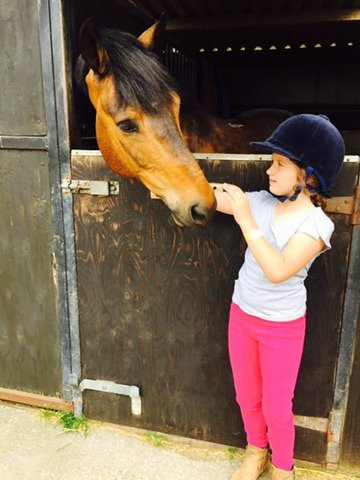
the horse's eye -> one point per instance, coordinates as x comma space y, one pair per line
128, 126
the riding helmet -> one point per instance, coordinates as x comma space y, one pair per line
313, 142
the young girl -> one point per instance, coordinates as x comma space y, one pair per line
285, 231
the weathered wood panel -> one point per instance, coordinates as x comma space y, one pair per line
21, 96
351, 444
29, 341
154, 300
142, 325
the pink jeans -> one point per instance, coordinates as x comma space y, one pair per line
265, 358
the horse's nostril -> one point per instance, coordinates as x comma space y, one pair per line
199, 213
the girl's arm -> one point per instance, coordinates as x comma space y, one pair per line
277, 266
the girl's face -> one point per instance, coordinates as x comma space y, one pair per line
283, 175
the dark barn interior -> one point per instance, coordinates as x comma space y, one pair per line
301, 56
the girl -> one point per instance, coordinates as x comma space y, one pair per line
285, 231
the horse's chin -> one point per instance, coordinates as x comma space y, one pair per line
177, 221
188, 224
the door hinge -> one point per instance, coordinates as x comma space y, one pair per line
91, 187
346, 205
355, 220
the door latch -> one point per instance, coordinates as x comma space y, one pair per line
91, 187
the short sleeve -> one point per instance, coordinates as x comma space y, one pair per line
318, 226
259, 200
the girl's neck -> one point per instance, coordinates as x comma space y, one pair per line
303, 202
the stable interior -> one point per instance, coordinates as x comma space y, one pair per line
234, 56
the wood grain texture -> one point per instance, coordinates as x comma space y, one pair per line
29, 338
351, 445
21, 95
41, 401
310, 445
154, 301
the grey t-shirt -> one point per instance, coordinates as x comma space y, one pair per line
253, 292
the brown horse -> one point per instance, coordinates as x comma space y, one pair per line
145, 130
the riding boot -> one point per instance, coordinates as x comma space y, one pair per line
254, 464
279, 474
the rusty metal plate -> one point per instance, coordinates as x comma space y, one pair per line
340, 205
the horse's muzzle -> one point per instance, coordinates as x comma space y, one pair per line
198, 216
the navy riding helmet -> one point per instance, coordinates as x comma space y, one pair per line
314, 143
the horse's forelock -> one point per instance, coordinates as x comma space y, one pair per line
140, 79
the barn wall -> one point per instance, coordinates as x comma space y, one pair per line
29, 353
29, 336
21, 95
351, 442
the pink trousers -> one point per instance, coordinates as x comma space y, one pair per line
265, 358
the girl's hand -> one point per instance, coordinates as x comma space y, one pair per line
239, 203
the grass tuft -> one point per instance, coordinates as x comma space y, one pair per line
155, 439
67, 420
232, 451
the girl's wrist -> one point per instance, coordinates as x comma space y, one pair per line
252, 235
248, 225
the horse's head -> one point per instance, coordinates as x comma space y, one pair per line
137, 120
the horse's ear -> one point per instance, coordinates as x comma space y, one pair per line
91, 48
153, 37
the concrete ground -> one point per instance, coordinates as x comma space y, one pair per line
33, 447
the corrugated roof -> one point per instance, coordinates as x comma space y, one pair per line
201, 8
224, 25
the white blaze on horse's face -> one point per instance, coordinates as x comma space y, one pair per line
150, 147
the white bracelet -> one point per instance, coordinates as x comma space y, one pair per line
252, 234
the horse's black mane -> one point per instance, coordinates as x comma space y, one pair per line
140, 79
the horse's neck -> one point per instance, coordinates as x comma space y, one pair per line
206, 133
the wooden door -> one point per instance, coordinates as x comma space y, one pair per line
154, 302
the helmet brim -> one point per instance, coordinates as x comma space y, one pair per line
273, 148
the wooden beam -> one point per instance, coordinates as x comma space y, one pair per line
35, 400
227, 22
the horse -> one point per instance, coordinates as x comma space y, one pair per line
146, 127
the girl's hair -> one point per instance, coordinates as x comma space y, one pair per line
316, 198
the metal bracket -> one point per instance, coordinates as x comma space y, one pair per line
343, 205
318, 424
91, 187
334, 432
111, 387
346, 205
131, 391
355, 219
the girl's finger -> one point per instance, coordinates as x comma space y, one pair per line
232, 188
229, 189
235, 195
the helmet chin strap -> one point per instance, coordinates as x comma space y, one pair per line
282, 198
292, 198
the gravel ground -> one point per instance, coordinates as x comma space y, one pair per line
35, 448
